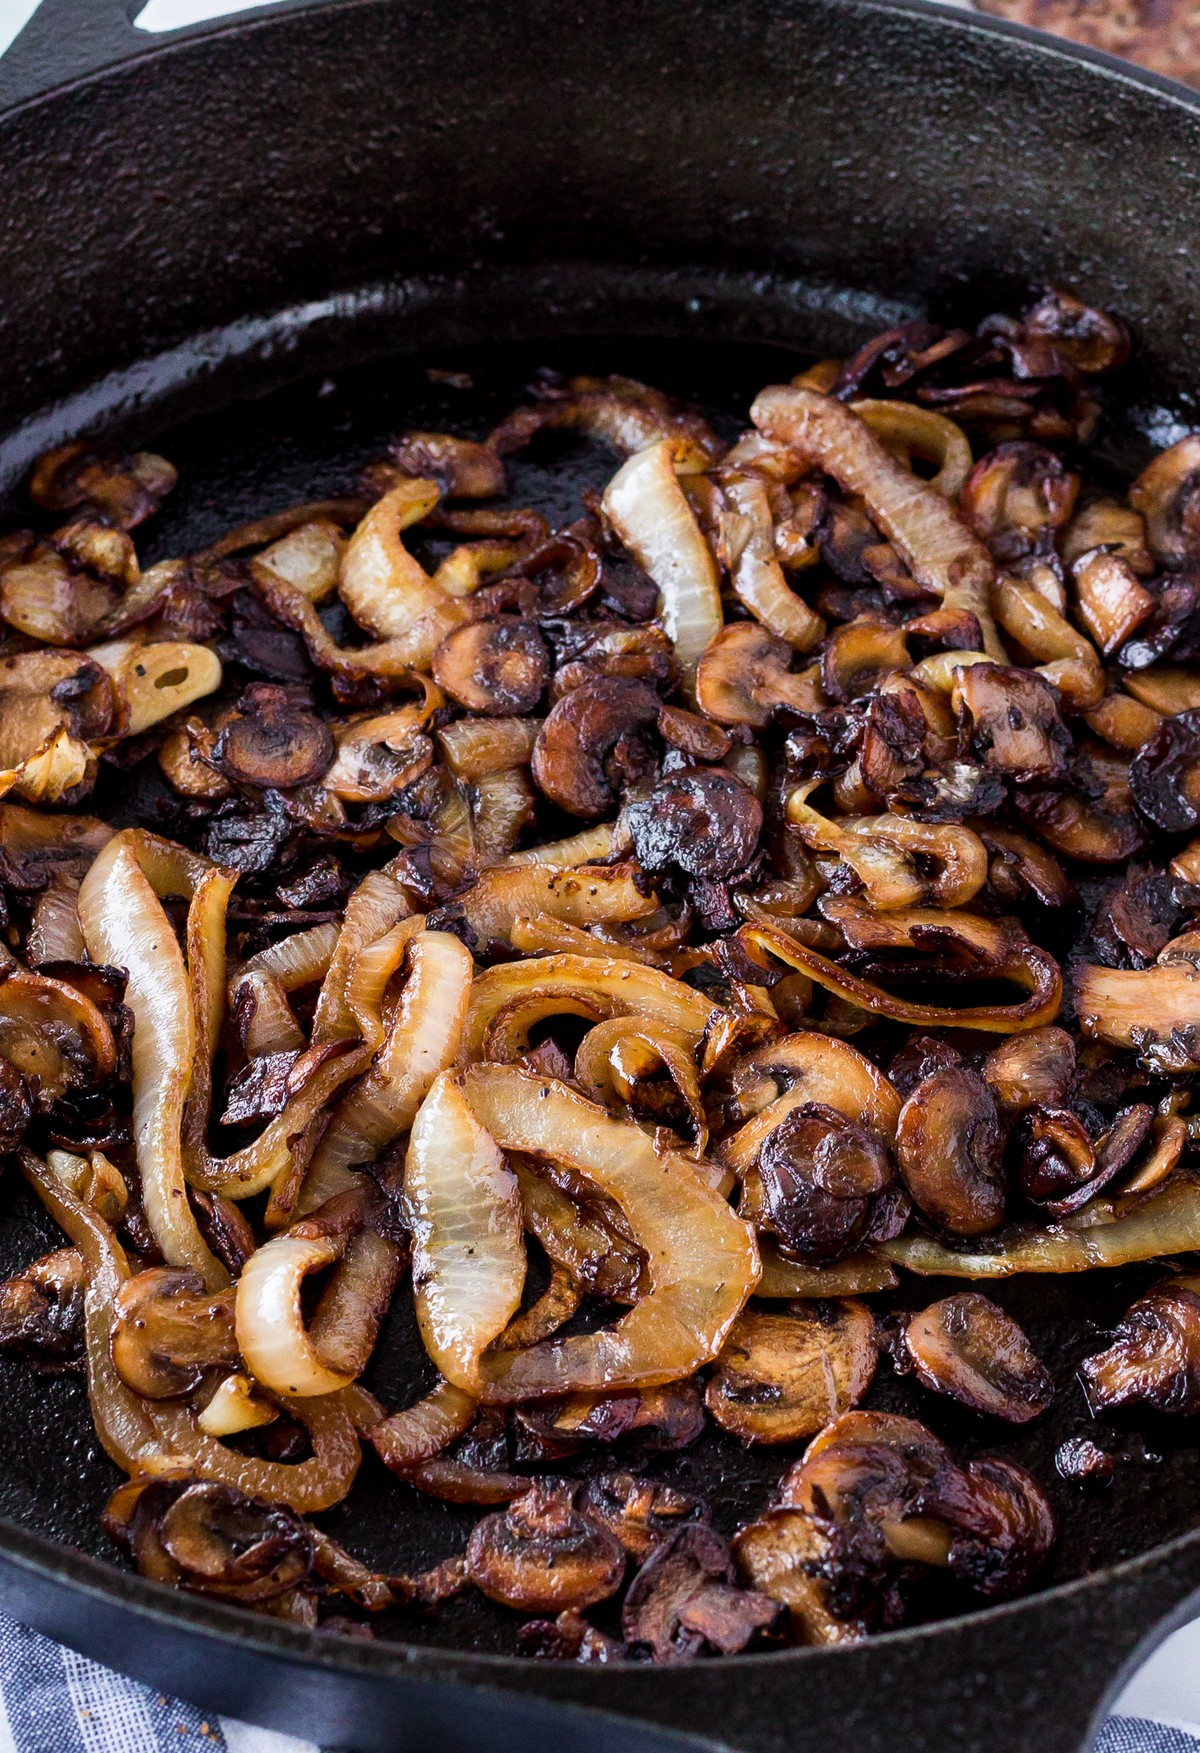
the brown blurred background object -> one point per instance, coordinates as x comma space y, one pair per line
1161, 34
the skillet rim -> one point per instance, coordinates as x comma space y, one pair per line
61, 1565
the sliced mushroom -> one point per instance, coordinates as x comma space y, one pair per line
274, 741
1095, 822
16, 1107
168, 1330
1016, 497
494, 667
967, 1347
1164, 775
594, 742
1111, 603
685, 1597
211, 1538
744, 675
1031, 1069
124, 490
541, 1554
858, 656
1167, 495
1155, 1012
781, 1377
1013, 721
41, 1310
786, 1555
1155, 1357
948, 1148
641, 1513
704, 822
824, 1184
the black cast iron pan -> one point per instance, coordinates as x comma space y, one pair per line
213, 239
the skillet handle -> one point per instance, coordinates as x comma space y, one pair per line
49, 43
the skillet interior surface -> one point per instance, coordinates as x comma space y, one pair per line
307, 441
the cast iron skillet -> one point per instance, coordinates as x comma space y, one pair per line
191, 222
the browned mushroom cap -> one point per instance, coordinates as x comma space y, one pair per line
787, 1555
858, 655
1012, 719
462, 468
594, 742
1015, 496
641, 1513
635, 654
1095, 821
124, 490
275, 741
967, 1347
16, 1107
1060, 335
41, 1309
168, 1331
1167, 494
211, 1538
781, 1377
745, 674
494, 667
1155, 1357
685, 1597
1019, 870
704, 822
949, 1151
1164, 775
567, 1638
822, 1176
542, 1554
1031, 1069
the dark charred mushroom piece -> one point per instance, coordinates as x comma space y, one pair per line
949, 1151
1164, 775
821, 1177
16, 1107
685, 1597
1060, 335
705, 823
542, 1554
276, 741
1095, 820
1016, 497
124, 490
168, 1331
41, 1310
569, 1638
1007, 1529
640, 1513
496, 668
1154, 1359
663, 1419
969, 1348
1054, 1155
1012, 719
594, 742
1081, 1459
1033, 1069
211, 1538
782, 1377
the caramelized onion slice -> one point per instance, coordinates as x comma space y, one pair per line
384, 588
422, 1431
1028, 966
270, 1328
507, 1001
124, 926
1165, 1221
940, 551
588, 895
703, 1262
756, 575
649, 511
468, 1251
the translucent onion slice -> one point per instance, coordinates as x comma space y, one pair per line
617, 1055
586, 895
939, 550
757, 577
860, 1275
235, 1407
55, 934
422, 1431
384, 588
124, 926
271, 1334
371, 973
581, 848
421, 1041
1029, 967
467, 1222
1166, 1221
649, 511
376, 905
908, 430
703, 1262
507, 1001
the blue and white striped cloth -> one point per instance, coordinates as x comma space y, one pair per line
53, 1701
